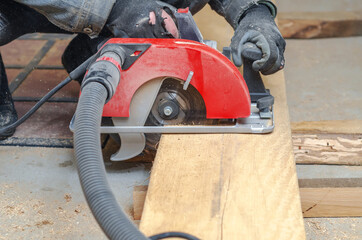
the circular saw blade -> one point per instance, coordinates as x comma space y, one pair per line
175, 106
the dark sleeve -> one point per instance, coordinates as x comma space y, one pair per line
87, 16
232, 10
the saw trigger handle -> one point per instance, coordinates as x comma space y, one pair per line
258, 93
252, 78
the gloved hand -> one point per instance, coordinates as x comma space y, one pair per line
258, 27
142, 19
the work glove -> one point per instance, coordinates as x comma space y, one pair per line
142, 19
257, 26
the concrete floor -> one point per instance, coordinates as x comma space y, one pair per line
323, 78
41, 198
333, 228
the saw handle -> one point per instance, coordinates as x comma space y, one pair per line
252, 78
251, 52
258, 93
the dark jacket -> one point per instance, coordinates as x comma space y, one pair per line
89, 16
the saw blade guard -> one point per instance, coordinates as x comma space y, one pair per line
218, 81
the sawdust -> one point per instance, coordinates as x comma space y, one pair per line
32, 206
27, 216
43, 223
14, 210
67, 197
316, 226
77, 211
333, 228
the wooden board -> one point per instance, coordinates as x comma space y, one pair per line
330, 190
227, 186
331, 202
334, 126
325, 190
340, 149
139, 196
316, 202
320, 24
309, 148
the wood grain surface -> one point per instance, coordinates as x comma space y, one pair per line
331, 202
139, 196
305, 25
226, 186
329, 126
316, 202
342, 149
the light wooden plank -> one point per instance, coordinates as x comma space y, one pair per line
335, 190
328, 126
139, 196
316, 202
227, 186
320, 24
328, 149
309, 148
331, 202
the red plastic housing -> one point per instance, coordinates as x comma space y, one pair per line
215, 77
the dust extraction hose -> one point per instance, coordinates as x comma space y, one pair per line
98, 86
90, 165
92, 174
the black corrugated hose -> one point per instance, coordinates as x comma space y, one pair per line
92, 174
99, 86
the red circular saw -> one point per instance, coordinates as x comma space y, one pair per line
183, 86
